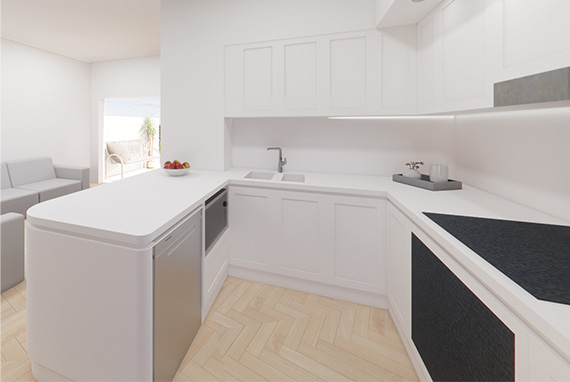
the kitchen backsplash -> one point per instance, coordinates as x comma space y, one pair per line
523, 156
375, 147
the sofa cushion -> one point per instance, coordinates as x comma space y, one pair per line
30, 171
53, 188
5, 177
18, 200
118, 149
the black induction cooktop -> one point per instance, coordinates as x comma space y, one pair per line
535, 256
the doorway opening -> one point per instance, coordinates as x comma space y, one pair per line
131, 136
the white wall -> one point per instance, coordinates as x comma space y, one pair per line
121, 128
45, 105
523, 156
118, 79
193, 35
376, 147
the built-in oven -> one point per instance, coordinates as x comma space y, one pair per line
216, 218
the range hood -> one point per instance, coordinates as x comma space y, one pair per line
551, 86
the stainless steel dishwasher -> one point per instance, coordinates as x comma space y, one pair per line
177, 283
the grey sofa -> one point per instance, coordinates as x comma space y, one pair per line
31, 181
12, 259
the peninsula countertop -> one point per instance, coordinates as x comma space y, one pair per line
136, 211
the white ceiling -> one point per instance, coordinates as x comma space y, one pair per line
87, 30
403, 12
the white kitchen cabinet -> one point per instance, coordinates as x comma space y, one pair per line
523, 50
453, 57
257, 78
312, 76
300, 234
328, 239
359, 243
398, 67
348, 73
545, 364
353, 73
399, 256
399, 268
466, 46
250, 222
250, 79
300, 76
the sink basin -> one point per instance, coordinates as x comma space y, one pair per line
259, 175
293, 178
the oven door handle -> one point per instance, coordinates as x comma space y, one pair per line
212, 202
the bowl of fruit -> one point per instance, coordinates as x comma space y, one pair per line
175, 168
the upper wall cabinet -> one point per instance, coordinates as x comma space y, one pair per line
453, 58
352, 73
465, 46
530, 36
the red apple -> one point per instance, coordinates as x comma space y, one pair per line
172, 166
179, 166
176, 161
186, 165
167, 163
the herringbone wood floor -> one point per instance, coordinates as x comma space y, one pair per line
259, 332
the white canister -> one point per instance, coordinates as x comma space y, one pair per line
438, 173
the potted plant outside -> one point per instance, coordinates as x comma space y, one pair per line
148, 132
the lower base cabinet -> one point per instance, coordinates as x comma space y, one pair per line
457, 336
454, 328
329, 239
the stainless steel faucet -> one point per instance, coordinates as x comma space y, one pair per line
282, 161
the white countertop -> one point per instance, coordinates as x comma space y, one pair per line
137, 210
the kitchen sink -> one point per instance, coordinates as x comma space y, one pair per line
293, 178
259, 175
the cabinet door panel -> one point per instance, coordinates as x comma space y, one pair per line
463, 50
300, 245
426, 64
395, 69
250, 229
356, 244
400, 267
301, 76
547, 37
348, 73
214, 264
257, 78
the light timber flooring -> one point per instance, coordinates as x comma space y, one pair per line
259, 332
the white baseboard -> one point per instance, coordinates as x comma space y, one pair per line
213, 292
419, 366
333, 291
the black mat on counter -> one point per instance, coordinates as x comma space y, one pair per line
535, 256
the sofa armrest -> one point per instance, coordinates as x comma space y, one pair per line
73, 172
